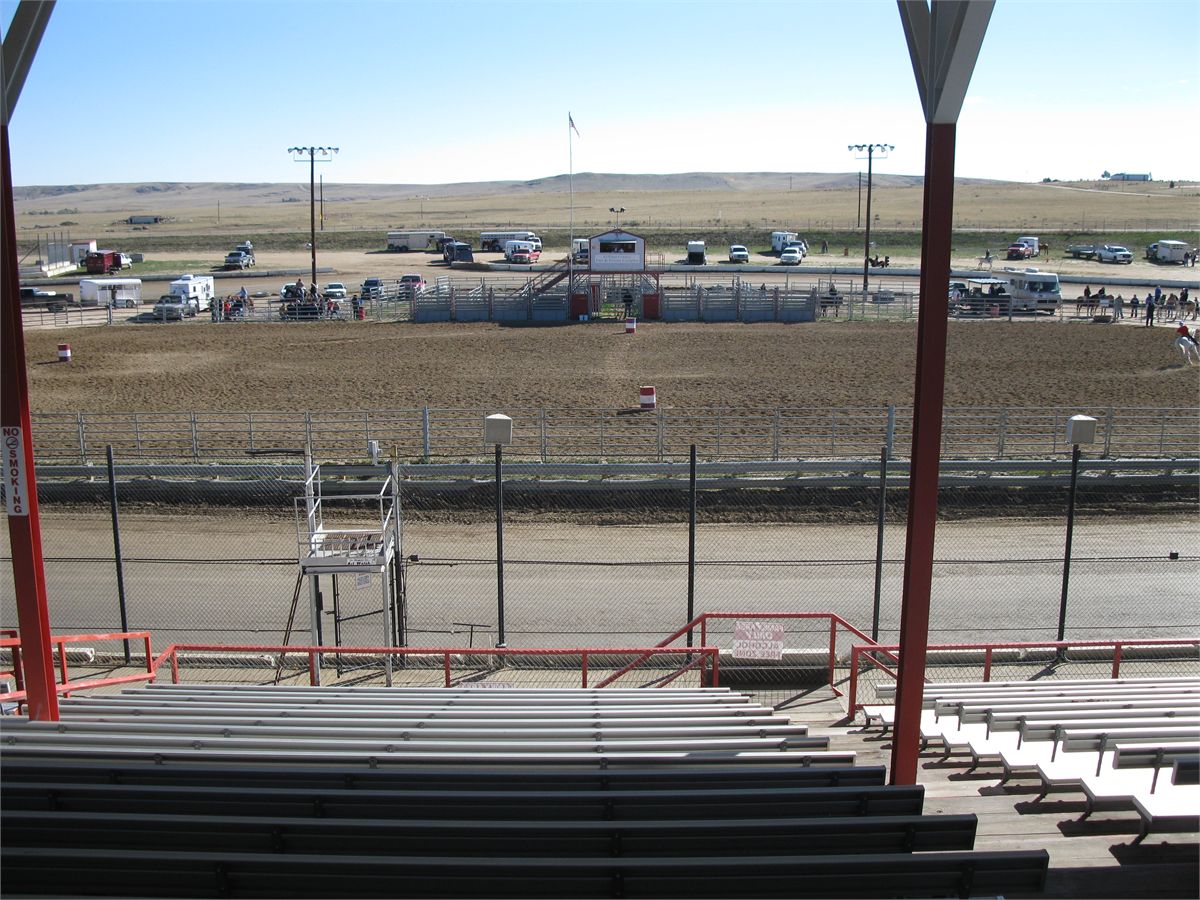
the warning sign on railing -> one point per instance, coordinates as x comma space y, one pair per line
758, 640
16, 485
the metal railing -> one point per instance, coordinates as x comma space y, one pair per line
610, 434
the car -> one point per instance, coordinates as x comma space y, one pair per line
738, 254
1019, 250
1114, 253
791, 257
239, 259
335, 290
413, 282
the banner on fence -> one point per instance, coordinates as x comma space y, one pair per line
757, 640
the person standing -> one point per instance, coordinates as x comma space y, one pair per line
1150, 304
1133, 306
1119, 307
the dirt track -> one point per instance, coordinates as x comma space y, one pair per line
349, 365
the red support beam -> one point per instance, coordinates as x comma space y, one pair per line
938, 220
24, 525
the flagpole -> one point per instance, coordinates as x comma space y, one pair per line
571, 190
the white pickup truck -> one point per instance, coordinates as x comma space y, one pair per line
1113, 253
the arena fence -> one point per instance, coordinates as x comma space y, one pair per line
607, 556
550, 434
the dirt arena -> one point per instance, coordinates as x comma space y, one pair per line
350, 365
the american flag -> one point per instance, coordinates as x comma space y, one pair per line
571, 122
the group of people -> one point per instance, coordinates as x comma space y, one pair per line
233, 307
1154, 304
877, 263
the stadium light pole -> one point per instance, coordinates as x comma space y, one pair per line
618, 210
1080, 430
870, 150
497, 429
299, 154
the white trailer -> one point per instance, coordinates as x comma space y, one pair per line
1166, 251
780, 240
122, 292
405, 241
195, 290
695, 253
1033, 243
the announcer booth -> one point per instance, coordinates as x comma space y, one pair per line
616, 273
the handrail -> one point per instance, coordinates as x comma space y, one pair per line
861, 651
66, 687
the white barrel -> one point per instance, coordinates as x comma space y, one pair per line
64, 352
649, 397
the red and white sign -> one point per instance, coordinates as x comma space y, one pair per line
758, 640
16, 484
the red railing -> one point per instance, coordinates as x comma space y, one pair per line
67, 687
861, 652
701, 622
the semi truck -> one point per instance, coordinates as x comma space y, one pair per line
115, 292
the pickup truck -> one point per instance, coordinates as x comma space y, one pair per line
239, 259
32, 298
1081, 251
738, 254
1019, 250
172, 306
1114, 254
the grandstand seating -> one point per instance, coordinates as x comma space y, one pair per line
310, 792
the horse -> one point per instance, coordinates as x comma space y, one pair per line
1189, 309
1086, 306
1191, 353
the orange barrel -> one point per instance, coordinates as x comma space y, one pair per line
630, 326
64, 352
649, 398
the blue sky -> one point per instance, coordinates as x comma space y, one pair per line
433, 92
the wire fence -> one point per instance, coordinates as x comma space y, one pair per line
549, 434
606, 561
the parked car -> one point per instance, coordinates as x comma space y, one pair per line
791, 257
1114, 253
413, 281
1019, 250
738, 254
239, 259
335, 290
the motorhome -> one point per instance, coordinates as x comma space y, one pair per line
521, 252
780, 240
1032, 290
495, 240
580, 250
197, 291
695, 253
123, 292
405, 241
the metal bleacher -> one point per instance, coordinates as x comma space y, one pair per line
311, 792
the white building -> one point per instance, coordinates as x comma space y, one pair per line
617, 251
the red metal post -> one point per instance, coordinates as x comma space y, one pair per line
855, 652
174, 666
987, 664
584, 665
24, 525
1116, 669
149, 658
832, 648
446, 666
312, 669
926, 447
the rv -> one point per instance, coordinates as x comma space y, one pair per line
521, 252
125, 292
580, 250
1032, 290
196, 291
695, 253
404, 241
781, 239
495, 240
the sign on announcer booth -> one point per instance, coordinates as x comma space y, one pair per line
16, 484
758, 640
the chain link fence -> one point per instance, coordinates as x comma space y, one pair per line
601, 559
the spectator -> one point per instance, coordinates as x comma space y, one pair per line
1150, 304
824, 246
1133, 306
1119, 307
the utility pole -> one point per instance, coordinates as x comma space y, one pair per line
298, 155
883, 149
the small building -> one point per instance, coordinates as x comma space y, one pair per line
146, 220
80, 249
1129, 176
617, 251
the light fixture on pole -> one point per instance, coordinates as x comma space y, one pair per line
870, 149
1080, 430
299, 154
618, 210
497, 429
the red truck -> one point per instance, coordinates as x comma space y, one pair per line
103, 262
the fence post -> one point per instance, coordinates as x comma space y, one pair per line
691, 579
542, 432
195, 443
137, 434
661, 436
1002, 433
775, 436
1108, 428
82, 439
116, 530
880, 514
425, 433
308, 429
890, 444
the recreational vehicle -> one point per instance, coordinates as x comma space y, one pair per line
780, 240
579, 250
196, 291
123, 292
404, 241
495, 240
1032, 290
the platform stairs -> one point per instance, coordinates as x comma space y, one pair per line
185, 790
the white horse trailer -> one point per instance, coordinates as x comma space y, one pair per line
405, 241
116, 292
